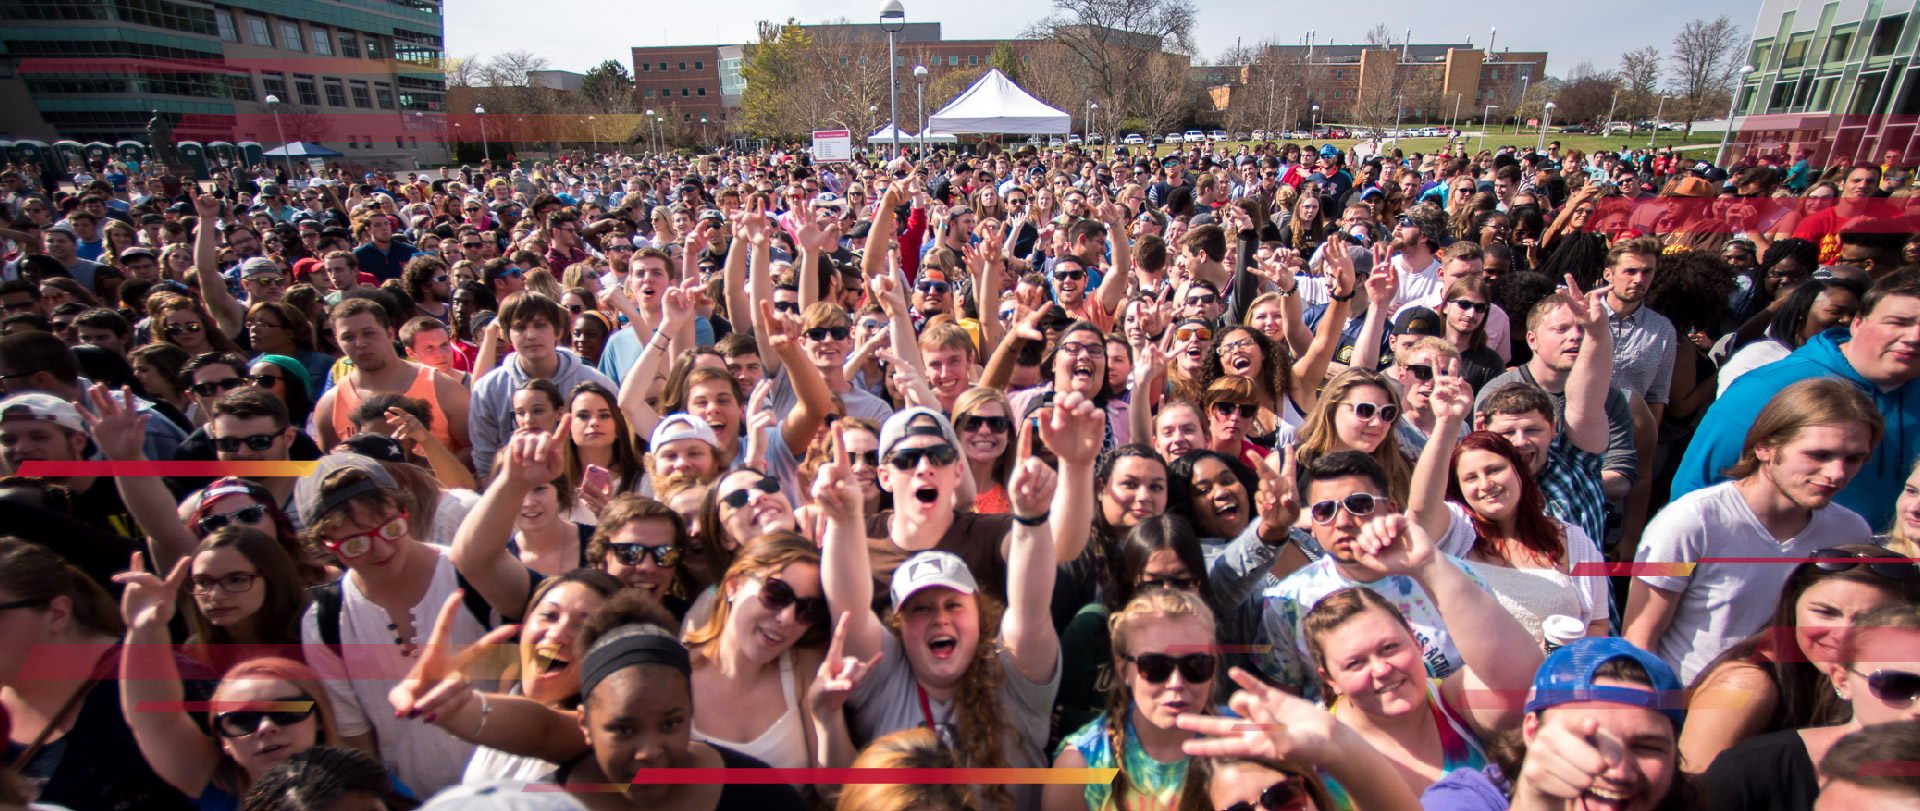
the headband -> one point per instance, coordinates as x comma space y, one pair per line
604, 321
630, 650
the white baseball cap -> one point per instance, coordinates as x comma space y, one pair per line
41, 406
928, 570
681, 426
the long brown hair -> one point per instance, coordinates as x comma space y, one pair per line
1803, 405
1276, 364
160, 305
30, 571
1317, 433
1533, 529
1196, 791
981, 734
764, 556
278, 619
627, 466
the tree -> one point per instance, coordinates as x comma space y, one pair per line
773, 72
1586, 95
462, 71
1119, 48
607, 89
511, 69
1639, 83
303, 123
1702, 66
1379, 36
1003, 59
1165, 98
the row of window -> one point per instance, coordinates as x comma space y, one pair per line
102, 49
210, 86
307, 92
318, 40
154, 13
647, 67
667, 92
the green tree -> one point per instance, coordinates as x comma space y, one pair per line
776, 67
608, 88
1005, 60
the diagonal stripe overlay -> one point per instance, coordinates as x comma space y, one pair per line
215, 469
223, 706
851, 777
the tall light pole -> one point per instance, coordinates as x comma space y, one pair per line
703, 129
1486, 120
1313, 122
481, 113
1658, 110
920, 93
1523, 102
652, 134
893, 18
1453, 121
1091, 106
873, 112
1399, 105
1544, 121
273, 103
594, 130
1719, 158
1610, 108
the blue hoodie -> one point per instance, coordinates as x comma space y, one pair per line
1716, 444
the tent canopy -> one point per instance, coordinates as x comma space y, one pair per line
301, 149
885, 136
996, 105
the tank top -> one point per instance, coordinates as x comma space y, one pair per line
783, 745
1459, 747
1151, 783
347, 397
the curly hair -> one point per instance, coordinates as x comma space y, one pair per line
979, 731
1275, 375
1691, 289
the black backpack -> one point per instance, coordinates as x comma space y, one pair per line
327, 599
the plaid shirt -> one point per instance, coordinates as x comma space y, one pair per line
1571, 483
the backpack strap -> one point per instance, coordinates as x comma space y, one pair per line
326, 603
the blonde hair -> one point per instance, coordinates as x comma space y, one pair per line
1150, 604
916, 748
1803, 405
1317, 434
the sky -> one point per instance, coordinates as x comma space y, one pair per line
578, 34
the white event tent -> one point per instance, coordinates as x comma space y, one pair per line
885, 136
995, 105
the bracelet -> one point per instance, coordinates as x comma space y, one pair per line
484, 711
1030, 522
1343, 299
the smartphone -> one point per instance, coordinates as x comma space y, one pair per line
597, 477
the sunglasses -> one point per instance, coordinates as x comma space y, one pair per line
472, 246
790, 307
1367, 411
630, 554
1247, 410
189, 328
242, 723
236, 583
1175, 583
776, 595
358, 544
739, 498
251, 516
1069, 275
1356, 505
515, 273
1422, 372
998, 425
1203, 298
1476, 307
871, 458
824, 333
1838, 560
1193, 333
214, 388
1287, 795
620, 248
440, 279
909, 459
576, 309
258, 442
1195, 668
936, 288
268, 280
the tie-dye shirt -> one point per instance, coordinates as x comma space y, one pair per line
1152, 785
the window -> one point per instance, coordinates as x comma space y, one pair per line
1838, 45
973, 60
309, 93
275, 84
368, 142
665, 92
649, 92
399, 142
663, 66
843, 61
373, 48
383, 95
646, 67
699, 65
258, 28
702, 91
349, 45
336, 93
1796, 54
227, 31
1781, 98
1886, 36
953, 60
290, 37
322, 42
361, 97
683, 92
683, 66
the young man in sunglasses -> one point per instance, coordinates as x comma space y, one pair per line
1461, 260
1417, 367
212, 380
1341, 492
1089, 241
1802, 449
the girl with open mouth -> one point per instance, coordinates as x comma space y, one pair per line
1285, 388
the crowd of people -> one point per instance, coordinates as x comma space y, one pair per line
1282, 478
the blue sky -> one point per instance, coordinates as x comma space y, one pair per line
578, 34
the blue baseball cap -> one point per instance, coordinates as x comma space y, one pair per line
1567, 676
1329, 150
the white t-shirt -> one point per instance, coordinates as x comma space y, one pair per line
423, 756
1417, 285
1530, 601
1722, 603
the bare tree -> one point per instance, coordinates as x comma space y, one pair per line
511, 69
1165, 97
1702, 66
1119, 45
1379, 36
463, 71
301, 122
1639, 83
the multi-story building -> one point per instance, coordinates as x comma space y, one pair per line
1422, 82
1831, 78
362, 77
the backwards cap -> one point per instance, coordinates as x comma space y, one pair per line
1567, 676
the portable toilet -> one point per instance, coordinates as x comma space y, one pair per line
251, 152
194, 155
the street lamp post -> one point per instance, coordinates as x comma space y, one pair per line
1544, 122
653, 139
593, 129
703, 129
1720, 157
1453, 121
485, 150
893, 18
1523, 102
1658, 110
873, 112
920, 94
1604, 125
1399, 106
273, 103
1486, 120
1091, 106
1313, 121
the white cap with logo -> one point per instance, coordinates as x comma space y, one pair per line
929, 570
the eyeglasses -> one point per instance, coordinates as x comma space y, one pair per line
789, 307
251, 516
630, 554
825, 333
1175, 583
264, 325
242, 723
1156, 668
1422, 372
576, 309
258, 442
1367, 411
998, 425
1893, 686
1839, 560
618, 248
909, 458
776, 595
22, 604
268, 280
236, 583
1476, 307
739, 498
358, 544
1356, 505
1077, 349
1203, 298
1069, 275
936, 288
1287, 795
215, 388
1247, 410
1193, 333
190, 328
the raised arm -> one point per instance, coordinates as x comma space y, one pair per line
1592, 371
1031, 563
880, 234
480, 545
809, 238
1113, 288
987, 265
120, 430
206, 263
1074, 428
846, 573
1311, 367
1381, 288
636, 382
1452, 398
812, 398
437, 691
739, 309
172, 743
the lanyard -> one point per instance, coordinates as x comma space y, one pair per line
926, 709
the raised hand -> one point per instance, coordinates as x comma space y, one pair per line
835, 492
1278, 499
1273, 725
887, 290
1567, 756
677, 304
1031, 487
148, 601
1589, 308
437, 685
809, 236
782, 330
839, 673
208, 207
405, 426
1392, 545
1149, 363
1027, 327
1382, 285
1074, 428
1342, 279
534, 457
117, 427
1451, 398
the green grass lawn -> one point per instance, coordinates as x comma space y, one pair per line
1495, 140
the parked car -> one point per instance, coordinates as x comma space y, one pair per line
1339, 132
1194, 137
1259, 135
1174, 138
1096, 138
1055, 142
1074, 139
1577, 128
1217, 135
1133, 138
1034, 140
